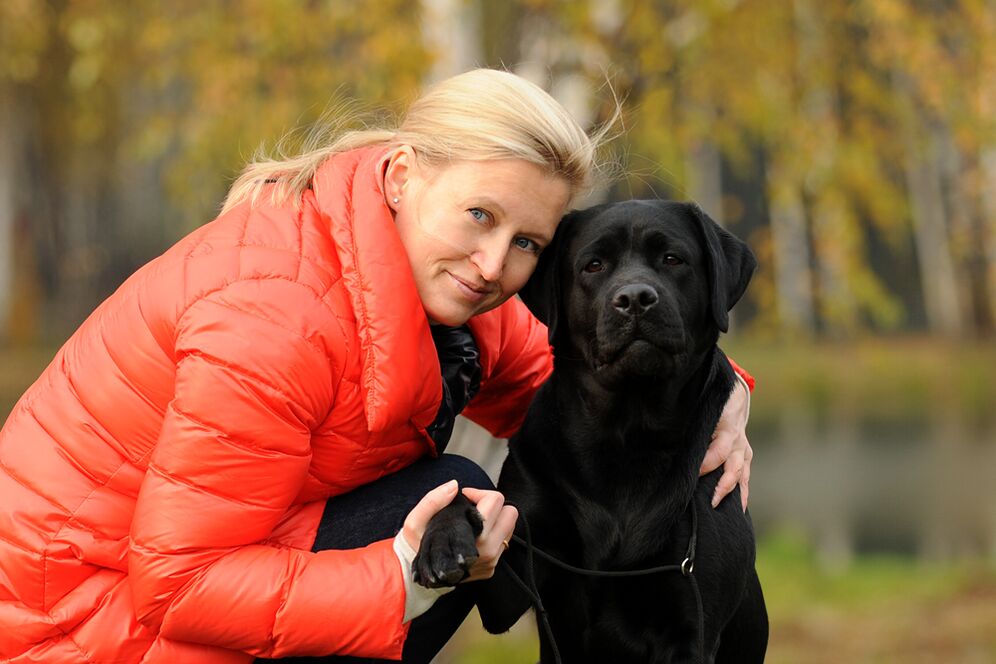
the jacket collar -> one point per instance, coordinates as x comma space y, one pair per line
400, 377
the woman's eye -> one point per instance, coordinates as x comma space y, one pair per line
671, 259
479, 215
526, 244
594, 266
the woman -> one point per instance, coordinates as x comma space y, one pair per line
214, 466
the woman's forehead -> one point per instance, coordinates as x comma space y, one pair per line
513, 188
487, 172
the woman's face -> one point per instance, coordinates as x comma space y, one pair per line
473, 230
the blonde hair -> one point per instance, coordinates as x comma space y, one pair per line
481, 114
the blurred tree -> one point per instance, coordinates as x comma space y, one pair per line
135, 115
8, 209
863, 132
868, 116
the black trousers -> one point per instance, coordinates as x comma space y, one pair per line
377, 511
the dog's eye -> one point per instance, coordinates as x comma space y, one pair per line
594, 266
671, 259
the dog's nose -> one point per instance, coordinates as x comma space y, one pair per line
635, 299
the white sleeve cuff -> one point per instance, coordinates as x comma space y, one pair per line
743, 382
418, 599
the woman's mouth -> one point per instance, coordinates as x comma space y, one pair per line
470, 292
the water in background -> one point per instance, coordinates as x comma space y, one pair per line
921, 486
918, 486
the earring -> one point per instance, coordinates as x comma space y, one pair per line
396, 200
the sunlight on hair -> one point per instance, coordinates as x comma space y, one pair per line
480, 114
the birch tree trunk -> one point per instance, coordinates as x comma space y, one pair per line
987, 188
791, 256
8, 210
930, 235
705, 181
452, 33
795, 264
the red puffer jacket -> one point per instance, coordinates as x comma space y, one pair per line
161, 483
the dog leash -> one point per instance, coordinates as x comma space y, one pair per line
686, 567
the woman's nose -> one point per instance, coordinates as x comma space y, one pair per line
490, 259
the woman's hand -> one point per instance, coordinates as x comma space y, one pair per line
730, 448
499, 523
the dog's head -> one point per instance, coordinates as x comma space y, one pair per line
637, 288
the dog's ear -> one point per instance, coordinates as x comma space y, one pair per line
541, 294
730, 264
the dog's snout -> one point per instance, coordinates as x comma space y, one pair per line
634, 299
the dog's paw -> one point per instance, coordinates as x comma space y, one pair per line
448, 549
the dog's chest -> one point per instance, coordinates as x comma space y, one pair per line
625, 506
626, 619
622, 534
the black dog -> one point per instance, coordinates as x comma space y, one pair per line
605, 468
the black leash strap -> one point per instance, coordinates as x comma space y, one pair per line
532, 590
686, 567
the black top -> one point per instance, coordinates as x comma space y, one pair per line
460, 362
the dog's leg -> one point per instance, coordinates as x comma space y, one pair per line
448, 549
500, 600
745, 637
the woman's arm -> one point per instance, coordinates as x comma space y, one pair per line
254, 378
729, 447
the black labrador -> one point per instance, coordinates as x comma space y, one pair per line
605, 467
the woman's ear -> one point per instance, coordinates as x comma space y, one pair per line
399, 170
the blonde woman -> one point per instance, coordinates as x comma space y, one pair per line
235, 456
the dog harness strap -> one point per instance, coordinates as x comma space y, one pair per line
460, 365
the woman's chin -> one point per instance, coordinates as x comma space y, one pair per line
455, 315
449, 316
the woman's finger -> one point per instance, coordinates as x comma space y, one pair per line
505, 526
425, 509
492, 545
732, 472
718, 452
476, 495
745, 478
488, 503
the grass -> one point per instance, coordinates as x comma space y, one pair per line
879, 609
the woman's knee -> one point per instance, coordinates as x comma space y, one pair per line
464, 471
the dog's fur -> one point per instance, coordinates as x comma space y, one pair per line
605, 467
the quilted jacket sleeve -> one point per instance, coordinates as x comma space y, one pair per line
740, 371
256, 373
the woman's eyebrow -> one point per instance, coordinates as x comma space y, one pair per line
543, 239
492, 204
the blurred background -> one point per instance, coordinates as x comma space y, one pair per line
852, 143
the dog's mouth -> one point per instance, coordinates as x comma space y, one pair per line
639, 354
